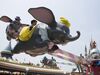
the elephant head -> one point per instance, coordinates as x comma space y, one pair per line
13, 27
45, 15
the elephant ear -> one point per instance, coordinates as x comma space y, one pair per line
5, 19
43, 14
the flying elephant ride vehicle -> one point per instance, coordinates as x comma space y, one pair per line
33, 44
31, 39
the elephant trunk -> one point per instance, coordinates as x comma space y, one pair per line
70, 38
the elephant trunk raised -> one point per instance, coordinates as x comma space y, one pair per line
70, 38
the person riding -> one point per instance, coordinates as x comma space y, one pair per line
27, 31
20, 32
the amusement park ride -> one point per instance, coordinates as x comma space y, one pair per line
35, 46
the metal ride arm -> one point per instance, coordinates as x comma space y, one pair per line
70, 57
66, 56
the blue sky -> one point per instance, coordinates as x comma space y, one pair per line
84, 15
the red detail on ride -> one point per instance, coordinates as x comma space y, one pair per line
95, 70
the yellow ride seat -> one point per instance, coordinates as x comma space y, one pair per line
25, 33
